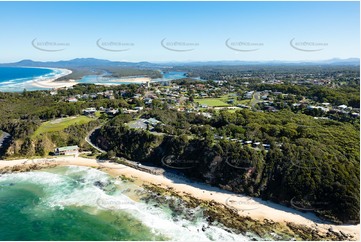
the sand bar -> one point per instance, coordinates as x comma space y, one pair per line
49, 82
132, 80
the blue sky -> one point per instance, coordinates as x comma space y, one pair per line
266, 28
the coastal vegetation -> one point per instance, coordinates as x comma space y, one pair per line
273, 145
313, 162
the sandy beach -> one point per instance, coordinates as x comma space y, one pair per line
49, 82
246, 206
133, 79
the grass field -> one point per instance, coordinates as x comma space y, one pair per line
232, 110
212, 102
60, 124
245, 102
97, 114
221, 101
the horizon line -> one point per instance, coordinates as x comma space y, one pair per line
188, 61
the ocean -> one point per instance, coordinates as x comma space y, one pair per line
81, 203
16, 79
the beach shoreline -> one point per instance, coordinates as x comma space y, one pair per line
245, 206
50, 82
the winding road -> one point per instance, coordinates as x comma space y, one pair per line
88, 140
5, 139
256, 99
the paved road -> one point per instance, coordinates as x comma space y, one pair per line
257, 99
4, 137
87, 139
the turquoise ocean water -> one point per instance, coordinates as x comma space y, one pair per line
80, 203
16, 79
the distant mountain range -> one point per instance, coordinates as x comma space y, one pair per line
79, 62
92, 62
335, 61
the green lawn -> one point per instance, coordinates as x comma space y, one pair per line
244, 102
212, 102
60, 124
97, 114
221, 101
232, 110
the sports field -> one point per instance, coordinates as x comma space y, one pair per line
212, 102
60, 124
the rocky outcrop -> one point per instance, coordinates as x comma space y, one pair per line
216, 213
25, 167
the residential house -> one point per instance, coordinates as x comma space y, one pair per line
72, 99
67, 150
111, 111
249, 95
89, 111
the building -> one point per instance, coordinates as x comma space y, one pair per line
147, 100
111, 111
318, 107
152, 121
249, 95
72, 100
67, 150
137, 96
89, 111
342, 107
129, 111
207, 115
247, 142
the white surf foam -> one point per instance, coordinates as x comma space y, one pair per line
76, 187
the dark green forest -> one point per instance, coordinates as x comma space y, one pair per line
314, 162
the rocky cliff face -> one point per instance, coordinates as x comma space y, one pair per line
30, 147
270, 175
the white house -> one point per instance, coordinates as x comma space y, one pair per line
67, 150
